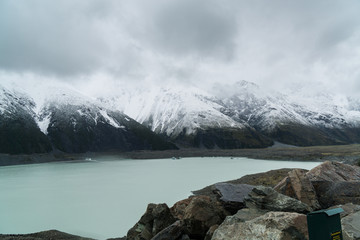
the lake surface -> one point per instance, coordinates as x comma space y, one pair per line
106, 197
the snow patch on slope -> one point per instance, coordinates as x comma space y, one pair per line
110, 120
44, 124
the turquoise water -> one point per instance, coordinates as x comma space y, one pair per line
103, 199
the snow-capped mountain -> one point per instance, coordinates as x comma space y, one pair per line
227, 116
297, 119
19, 132
68, 121
188, 116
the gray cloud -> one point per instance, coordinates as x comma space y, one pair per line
273, 43
60, 38
196, 27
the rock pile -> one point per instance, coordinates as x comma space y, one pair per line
241, 210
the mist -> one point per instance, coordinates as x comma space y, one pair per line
100, 46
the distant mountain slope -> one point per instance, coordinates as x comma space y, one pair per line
239, 115
19, 132
188, 116
192, 116
69, 122
297, 120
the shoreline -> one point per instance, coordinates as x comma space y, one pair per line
345, 153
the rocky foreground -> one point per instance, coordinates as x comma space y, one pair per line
271, 205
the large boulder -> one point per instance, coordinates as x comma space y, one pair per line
334, 172
351, 226
272, 225
232, 195
335, 183
199, 213
297, 185
267, 198
335, 193
269, 179
156, 218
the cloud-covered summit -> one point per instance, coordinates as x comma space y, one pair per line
276, 44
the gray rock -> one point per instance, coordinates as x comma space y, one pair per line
348, 208
272, 225
246, 214
232, 195
156, 218
175, 232
351, 226
267, 198
233, 192
335, 193
334, 171
199, 213
297, 185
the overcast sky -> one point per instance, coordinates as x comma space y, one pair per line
94, 43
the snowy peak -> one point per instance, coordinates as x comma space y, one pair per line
70, 122
173, 110
12, 101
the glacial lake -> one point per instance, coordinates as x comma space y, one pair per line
103, 198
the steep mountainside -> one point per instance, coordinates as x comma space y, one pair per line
294, 119
191, 115
229, 116
188, 116
69, 122
19, 132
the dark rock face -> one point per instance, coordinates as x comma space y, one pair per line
272, 225
297, 185
71, 132
156, 218
211, 231
303, 135
176, 231
19, 133
267, 198
232, 195
225, 138
335, 193
199, 213
46, 235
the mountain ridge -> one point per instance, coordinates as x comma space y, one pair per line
241, 115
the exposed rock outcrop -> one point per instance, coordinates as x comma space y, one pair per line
268, 199
202, 213
297, 185
175, 231
272, 225
351, 226
335, 193
334, 172
265, 212
156, 218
